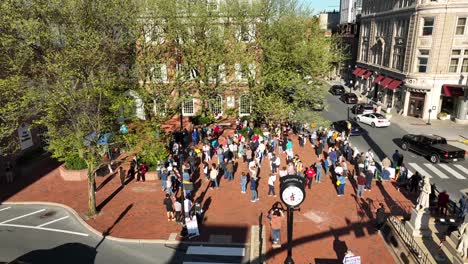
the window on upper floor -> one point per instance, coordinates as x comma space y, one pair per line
246, 32
244, 72
458, 56
461, 25
188, 107
245, 105
428, 26
398, 58
423, 60
159, 73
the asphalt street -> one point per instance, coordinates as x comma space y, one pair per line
49, 234
451, 177
46, 234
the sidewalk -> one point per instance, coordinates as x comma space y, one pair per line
324, 229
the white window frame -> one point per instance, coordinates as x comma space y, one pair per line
456, 54
246, 33
221, 74
188, 107
216, 104
154, 34
243, 111
162, 70
462, 27
423, 56
424, 19
212, 5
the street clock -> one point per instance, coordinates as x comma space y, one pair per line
292, 190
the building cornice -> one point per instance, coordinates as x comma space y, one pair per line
392, 12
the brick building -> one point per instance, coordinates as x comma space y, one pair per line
413, 56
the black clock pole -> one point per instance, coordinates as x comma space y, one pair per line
289, 259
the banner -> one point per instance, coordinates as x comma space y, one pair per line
25, 136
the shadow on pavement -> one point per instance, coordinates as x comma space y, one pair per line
27, 174
69, 253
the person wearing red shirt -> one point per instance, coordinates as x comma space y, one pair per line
310, 174
361, 184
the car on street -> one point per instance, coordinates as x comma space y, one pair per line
337, 90
349, 98
432, 146
373, 119
356, 129
362, 108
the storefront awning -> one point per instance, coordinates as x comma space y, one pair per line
452, 90
393, 85
355, 72
386, 81
361, 73
378, 78
367, 75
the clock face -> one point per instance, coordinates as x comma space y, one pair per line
292, 196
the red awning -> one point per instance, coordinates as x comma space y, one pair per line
386, 81
356, 70
367, 75
378, 78
361, 73
393, 85
452, 90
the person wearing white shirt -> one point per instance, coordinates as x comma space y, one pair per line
271, 185
187, 207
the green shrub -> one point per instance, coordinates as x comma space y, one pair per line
258, 131
75, 163
245, 118
244, 132
202, 120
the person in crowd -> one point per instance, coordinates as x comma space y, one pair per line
122, 176
229, 173
318, 171
271, 185
169, 208
380, 217
243, 180
396, 158
142, 169
214, 176
187, 206
340, 182
310, 175
414, 182
276, 218
253, 190
369, 178
283, 172
178, 211
442, 203
361, 184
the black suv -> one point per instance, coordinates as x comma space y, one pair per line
337, 90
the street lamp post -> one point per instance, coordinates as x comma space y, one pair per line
429, 117
292, 194
351, 86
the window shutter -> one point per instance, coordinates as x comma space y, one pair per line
252, 71
251, 32
238, 73
222, 73
164, 73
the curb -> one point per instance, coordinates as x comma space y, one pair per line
118, 239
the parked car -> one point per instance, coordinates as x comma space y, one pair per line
373, 119
432, 146
356, 129
337, 90
349, 98
362, 108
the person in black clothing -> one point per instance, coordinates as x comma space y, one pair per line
380, 217
415, 179
169, 208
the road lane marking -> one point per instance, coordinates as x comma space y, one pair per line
46, 229
6, 208
53, 221
452, 171
19, 217
219, 251
421, 171
460, 167
437, 171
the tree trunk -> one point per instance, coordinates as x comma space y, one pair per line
91, 194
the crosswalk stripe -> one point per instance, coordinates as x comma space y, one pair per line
460, 167
452, 171
220, 251
437, 171
420, 170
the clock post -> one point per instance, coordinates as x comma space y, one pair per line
292, 194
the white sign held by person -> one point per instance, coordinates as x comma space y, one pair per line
352, 260
25, 136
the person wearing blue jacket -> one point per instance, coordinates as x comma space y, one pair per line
253, 190
341, 185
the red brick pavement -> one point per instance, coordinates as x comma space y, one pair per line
323, 229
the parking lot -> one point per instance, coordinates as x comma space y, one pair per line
39, 217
